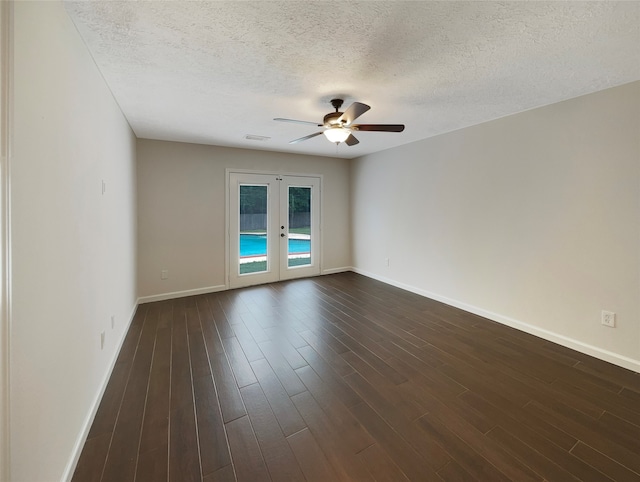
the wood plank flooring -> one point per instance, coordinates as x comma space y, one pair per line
343, 378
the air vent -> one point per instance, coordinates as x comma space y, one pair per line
252, 137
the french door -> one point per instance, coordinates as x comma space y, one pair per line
274, 228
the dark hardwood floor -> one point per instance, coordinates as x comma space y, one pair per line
342, 378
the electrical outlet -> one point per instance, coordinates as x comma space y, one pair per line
113, 322
386, 261
608, 319
102, 335
164, 274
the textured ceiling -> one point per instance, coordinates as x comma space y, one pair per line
212, 72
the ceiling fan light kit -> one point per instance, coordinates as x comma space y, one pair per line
338, 126
337, 134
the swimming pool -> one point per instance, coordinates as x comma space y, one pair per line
256, 245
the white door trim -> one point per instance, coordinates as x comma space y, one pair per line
6, 128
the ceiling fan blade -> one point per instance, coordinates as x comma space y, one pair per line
354, 111
378, 127
295, 141
280, 119
351, 140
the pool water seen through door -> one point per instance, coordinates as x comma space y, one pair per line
256, 245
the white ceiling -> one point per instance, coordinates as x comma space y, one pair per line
211, 72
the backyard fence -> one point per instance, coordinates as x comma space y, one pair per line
256, 222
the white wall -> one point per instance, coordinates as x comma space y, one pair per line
532, 220
73, 249
181, 211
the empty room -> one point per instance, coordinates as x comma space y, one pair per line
319, 241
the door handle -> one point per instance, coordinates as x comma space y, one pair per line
282, 235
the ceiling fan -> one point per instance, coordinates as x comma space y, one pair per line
339, 126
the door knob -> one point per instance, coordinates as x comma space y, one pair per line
282, 235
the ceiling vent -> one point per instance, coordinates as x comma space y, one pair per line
253, 137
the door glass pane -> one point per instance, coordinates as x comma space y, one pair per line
299, 236
253, 229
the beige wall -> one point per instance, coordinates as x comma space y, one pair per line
532, 220
181, 212
73, 249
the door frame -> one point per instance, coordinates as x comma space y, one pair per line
6, 129
227, 231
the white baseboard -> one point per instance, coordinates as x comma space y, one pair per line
86, 427
594, 351
180, 294
337, 270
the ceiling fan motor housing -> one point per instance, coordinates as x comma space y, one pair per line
331, 118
